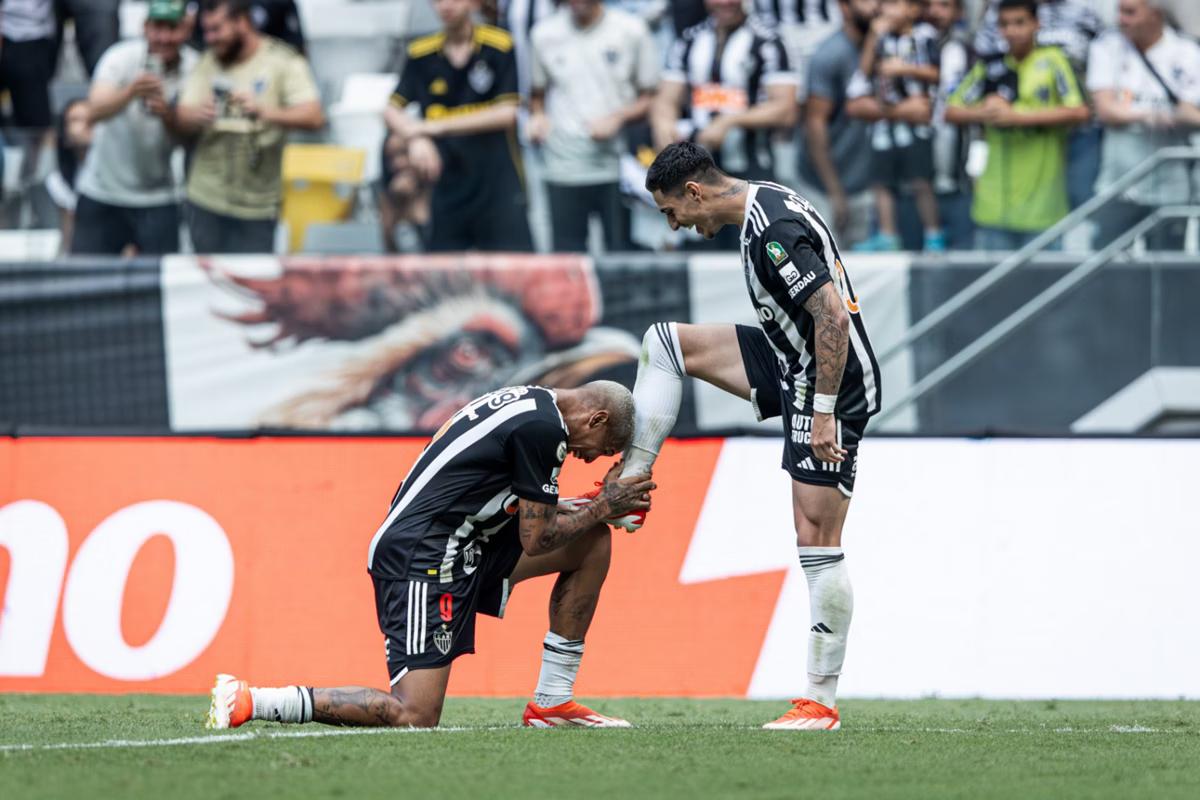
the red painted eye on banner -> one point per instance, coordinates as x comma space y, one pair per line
446, 604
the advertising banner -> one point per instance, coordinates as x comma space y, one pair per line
367, 344
1014, 568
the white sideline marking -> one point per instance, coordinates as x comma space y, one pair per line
222, 738
247, 736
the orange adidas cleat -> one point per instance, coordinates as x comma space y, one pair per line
630, 522
231, 705
567, 715
807, 715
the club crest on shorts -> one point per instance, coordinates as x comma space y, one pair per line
776, 252
442, 639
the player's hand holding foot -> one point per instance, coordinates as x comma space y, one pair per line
635, 489
824, 439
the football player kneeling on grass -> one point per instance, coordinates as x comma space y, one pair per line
478, 513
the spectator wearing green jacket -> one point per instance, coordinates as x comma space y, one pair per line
1027, 100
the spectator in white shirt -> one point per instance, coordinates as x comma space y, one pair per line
594, 72
1145, 81
127, 191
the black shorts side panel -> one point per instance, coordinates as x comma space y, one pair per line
762, 371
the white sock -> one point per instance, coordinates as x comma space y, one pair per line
656, 396
288, 704
560, 665
831, 605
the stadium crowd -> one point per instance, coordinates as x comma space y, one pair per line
911, 124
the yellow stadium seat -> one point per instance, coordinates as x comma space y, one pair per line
319, 184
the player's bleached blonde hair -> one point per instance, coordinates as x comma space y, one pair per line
617, 400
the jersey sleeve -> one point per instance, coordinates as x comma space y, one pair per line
536, 451
1103, 64
198, 86
788, 265
970, 88
774, 59
823, 77
648, 60
504, 88
676, 68
860, 86
539, 77
1188, 87
1065, 84
299, 86
407, 89
114, 67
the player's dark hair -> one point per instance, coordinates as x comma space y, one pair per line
234, 8
1029, 5
679, 163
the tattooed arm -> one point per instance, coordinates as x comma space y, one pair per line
831, 336
545, 528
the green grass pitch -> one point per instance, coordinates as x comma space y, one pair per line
83, 748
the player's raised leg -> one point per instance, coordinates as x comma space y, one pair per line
671, 350
582, 568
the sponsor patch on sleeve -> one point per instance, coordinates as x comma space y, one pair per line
777, 253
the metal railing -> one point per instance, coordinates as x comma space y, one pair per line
1022, 257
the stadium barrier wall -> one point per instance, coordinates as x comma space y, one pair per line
998, 568
397, 344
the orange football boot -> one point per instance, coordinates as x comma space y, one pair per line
231, 705
568, 714
807, 715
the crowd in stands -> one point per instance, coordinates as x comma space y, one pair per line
910, 124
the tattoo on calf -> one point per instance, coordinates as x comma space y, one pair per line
357, 707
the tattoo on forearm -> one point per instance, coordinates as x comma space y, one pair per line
550, 528
559, 528
831, 334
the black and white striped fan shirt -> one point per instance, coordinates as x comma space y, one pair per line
727, 75
799, 12
788, 252
464, 487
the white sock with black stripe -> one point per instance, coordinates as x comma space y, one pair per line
560, 665
288, 704
831, 605
656, 396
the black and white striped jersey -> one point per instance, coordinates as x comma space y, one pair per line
463, 488
799, 12
788, 252
729, 74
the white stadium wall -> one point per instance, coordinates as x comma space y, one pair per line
994, 568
